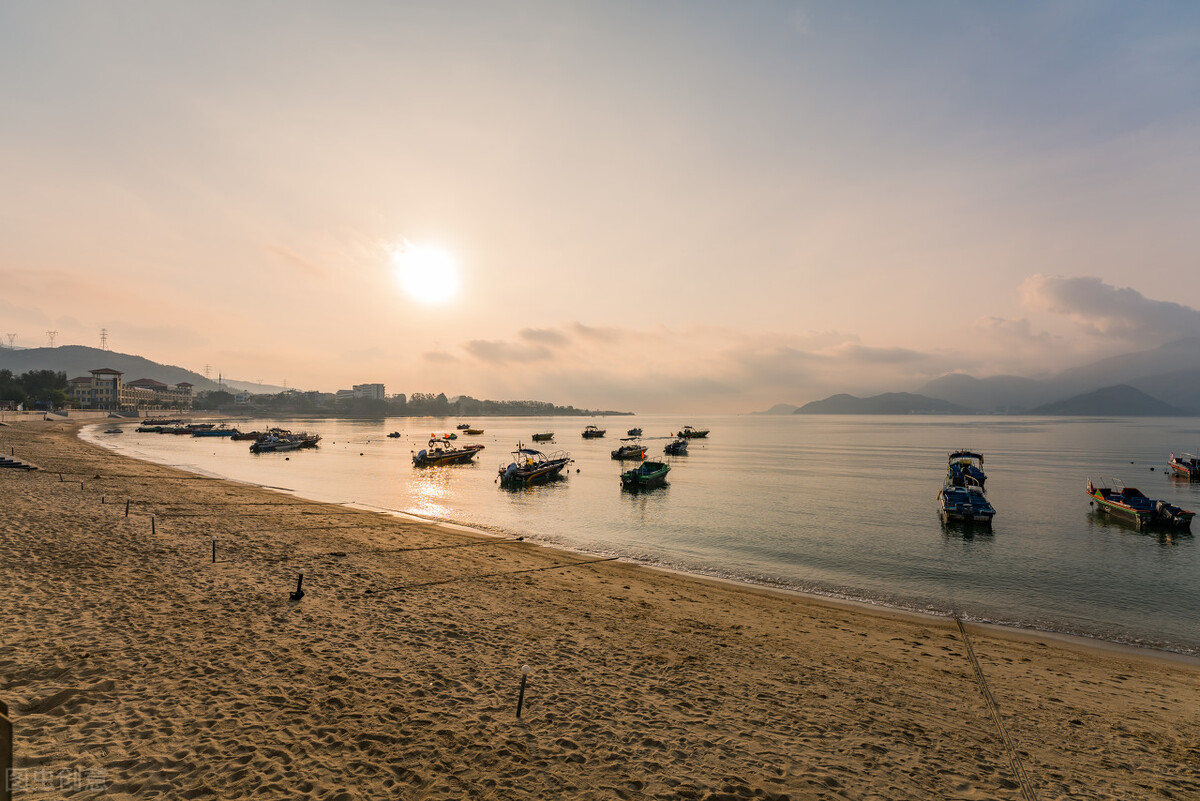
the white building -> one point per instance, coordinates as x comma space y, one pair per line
371, 391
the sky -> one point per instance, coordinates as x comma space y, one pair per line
648, 206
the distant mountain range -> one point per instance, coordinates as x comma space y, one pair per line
77, 360
1162, 381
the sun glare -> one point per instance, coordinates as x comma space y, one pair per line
427, 273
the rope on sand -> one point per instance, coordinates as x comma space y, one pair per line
488, 575
1013, 757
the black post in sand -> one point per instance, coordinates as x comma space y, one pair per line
521, 696
299, 593
214, 550
153, 526
127, 507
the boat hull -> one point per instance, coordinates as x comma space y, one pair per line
646, 475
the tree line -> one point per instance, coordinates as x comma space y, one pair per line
44, 388
419, 404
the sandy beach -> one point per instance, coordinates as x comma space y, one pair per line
135, 666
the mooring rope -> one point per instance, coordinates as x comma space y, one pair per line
1013, 757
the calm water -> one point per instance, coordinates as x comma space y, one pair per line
843, 506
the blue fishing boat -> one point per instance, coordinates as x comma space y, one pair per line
1132, 506
676, 447
964, 468
531, 466
966, 503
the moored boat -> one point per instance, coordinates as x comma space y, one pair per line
630, 450
440, 452
1131, 505
677, 447
965, 503
220, 431
634, 432
543, 437
473, 431
463, 426
645, 475
531, 466
689, 432
593, 432
113, 431
149, 429
964, 468
1185, 465
248, 435
394, 435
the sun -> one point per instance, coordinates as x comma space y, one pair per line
427, 273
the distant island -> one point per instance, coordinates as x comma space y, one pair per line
1118, 401
888, 403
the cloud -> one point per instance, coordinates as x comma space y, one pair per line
439, 357
868, 355
292, 259
497, 351
546, 336
1104, 310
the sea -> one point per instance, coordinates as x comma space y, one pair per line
838, 506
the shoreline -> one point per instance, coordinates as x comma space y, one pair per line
131, 656
1022, 632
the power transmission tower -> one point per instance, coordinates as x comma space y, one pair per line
103, 339
207, 371
53, 336
12, 338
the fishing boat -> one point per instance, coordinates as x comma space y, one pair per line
677, 447
965, 467
645, 475
473, 431
219, 431
463, 426
544, 437
1186, 465
248, 435
965, 503
113, 431
149, 429
629, 450
394, 435
531, 466
273, 443
634, 432
688, 432
592, 432
444, 436
440, 452
1130, 505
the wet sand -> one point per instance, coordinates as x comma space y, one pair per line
136, 667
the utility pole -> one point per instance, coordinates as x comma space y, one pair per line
12, 338
53, 335
103, 339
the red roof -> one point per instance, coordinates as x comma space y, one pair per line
106, 371
82, 380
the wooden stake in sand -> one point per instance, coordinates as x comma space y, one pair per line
153, 525
521, 696
6, 752
299, 593
214, 550
127, 507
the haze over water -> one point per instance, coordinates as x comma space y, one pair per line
843, 506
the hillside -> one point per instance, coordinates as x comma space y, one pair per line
77, 360
888, 403
1001, 393
1116, 401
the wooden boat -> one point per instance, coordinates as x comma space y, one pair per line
965, 503
1130, 505
965, 467
1185, 465
592, 432
546, 437
219, 431
440, 452
530, 466
473, 431
688, 432
629, 450
676, 448
645, 475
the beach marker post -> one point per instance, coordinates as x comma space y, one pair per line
214, 550
299, 593
153, 525
127, 507
525, 670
